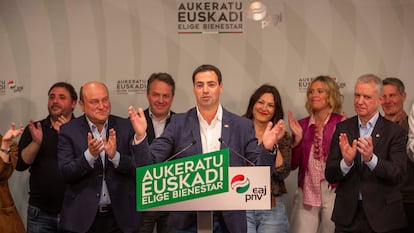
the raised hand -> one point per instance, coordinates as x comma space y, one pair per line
95, 145
365, 147
273, 134
138, 121
60, 121
110, 144
348, 151
12, 133
295, 128
36, 132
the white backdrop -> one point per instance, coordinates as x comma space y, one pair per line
42, 42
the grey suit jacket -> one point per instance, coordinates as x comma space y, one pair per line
84, 183
237, 132
380, 188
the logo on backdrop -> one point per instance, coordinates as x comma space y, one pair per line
257, 11
219, 16
303, 83
131, 86
9, 85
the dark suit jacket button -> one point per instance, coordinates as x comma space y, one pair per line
98, 194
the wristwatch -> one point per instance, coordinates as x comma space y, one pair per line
7, 151
274, 149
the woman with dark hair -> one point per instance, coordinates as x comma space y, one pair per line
265, 105
314, 200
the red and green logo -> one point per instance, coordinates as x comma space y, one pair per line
11, 84
240, 183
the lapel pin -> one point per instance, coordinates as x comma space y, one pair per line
377, 135
226, 126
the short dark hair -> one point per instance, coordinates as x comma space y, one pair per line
266, 88
163, 77
68, 87
204, 68
395, 82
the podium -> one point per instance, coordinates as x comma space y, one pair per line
202, 183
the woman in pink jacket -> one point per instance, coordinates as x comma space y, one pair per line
314, 200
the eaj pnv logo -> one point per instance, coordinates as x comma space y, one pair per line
240, 183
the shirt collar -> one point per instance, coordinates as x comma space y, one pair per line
93, 127
370, 123
217, 118
312, 120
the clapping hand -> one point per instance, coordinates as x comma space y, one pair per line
36, 132
12, 133
138, 121
273, 134
110, 144
296, 129
348, 151
95, 145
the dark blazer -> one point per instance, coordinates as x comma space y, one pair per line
380, 188
84, 183
150, 126
237, 132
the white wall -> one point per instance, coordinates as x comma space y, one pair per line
42, 42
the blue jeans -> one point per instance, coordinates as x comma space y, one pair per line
274, 220
39, 221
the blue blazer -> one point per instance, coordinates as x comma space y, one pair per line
237, 132
84, 183
380, 188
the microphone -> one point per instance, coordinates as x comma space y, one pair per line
237, 153
182, 150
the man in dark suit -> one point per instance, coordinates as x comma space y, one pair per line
95, 157
160, 95
209, 127
393, 106
368, 159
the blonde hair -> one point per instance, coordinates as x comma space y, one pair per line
332, 90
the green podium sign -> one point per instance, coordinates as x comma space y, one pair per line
182, 179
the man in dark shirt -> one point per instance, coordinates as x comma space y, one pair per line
393, 106
160, 95
38, 151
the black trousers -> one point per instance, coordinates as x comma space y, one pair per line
360, 224
105, 222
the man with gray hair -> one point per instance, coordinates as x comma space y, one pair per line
368, 160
